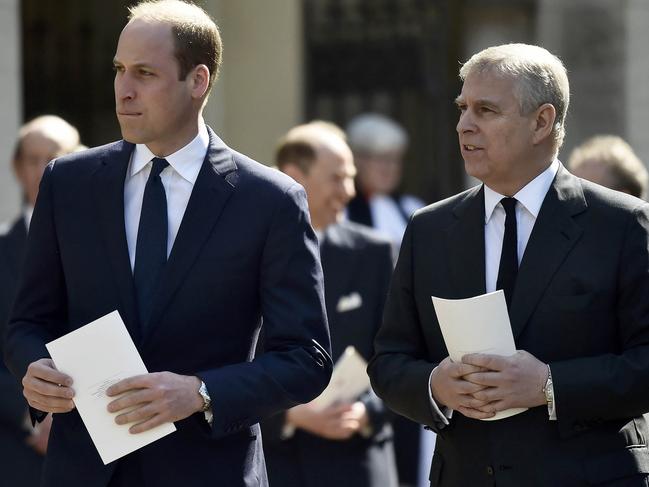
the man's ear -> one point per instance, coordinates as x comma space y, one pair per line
544, 119
295, 172
200, 80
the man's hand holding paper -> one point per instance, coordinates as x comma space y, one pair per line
505, 382
450, 389
150, 400
339, 421
47, 389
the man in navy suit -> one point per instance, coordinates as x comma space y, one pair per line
195, 245
22, 448
349, 443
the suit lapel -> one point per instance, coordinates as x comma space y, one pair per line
338, 267
553, 236
465, 246
108, 191
214, 185
15, 244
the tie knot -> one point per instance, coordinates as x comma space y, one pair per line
509, 204
158, 166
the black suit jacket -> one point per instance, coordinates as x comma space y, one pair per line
21, 464
245, 252
581, 304
354, 260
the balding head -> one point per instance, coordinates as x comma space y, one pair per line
39, 141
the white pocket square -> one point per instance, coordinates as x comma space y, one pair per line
349, 302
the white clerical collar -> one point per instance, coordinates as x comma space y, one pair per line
186, 161
530, 196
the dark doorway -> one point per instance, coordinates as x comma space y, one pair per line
395, 57
68, 47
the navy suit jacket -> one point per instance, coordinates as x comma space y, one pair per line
357, 261
245, 254
21, 465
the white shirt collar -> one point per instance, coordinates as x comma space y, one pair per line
186, 161
530, 196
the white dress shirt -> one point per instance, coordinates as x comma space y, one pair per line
529, 198
178, 179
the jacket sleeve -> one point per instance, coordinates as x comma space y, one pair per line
398, 370
614, 385
296, 364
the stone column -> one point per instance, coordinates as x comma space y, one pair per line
11, 103
590, 37
636, 101
259, 95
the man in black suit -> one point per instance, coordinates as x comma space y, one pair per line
346, 444
22, 448
572, 259
195, 245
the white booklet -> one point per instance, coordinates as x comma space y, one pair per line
96, 356
477, 325
348, 380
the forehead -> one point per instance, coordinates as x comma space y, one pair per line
488, 86
38, 141
334, 156
145, 42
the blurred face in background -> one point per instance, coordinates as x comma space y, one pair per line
379, 173
329, 182
36, 151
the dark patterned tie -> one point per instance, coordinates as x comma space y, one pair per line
509, 257
151, 248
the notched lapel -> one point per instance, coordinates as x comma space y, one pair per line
465, 247
554, 234
108, 191
214, 186
339, 267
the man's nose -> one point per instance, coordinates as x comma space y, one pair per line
465, 122
124, 87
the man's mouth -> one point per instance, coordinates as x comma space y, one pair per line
470, 147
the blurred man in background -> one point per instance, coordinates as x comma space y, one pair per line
610, 161
21, 446
379, 145
346, 444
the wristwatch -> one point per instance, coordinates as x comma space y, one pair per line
207, 401
548, 390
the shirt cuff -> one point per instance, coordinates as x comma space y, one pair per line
209, 416
441, 413
288, 431
552, 405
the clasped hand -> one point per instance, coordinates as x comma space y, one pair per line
482, 384
335, 422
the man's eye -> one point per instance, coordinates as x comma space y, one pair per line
461, 108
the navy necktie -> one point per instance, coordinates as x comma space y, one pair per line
151, 248
509, 257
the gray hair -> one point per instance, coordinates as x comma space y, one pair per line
372, 133
540, 77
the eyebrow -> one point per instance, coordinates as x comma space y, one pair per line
136, 65
482, 101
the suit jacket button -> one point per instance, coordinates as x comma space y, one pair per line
490, 470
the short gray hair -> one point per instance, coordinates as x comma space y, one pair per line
373, 133
539, 75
